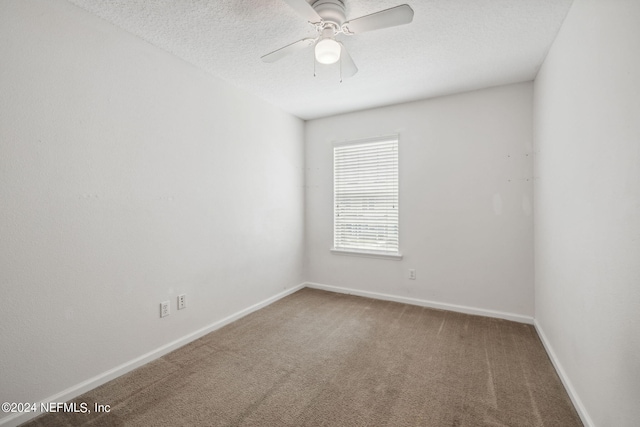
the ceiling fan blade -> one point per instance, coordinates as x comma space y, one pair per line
398, 15
304, 9
347, 66
287, 50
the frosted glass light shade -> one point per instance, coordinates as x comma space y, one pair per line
327, 51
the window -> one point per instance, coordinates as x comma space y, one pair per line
365, 191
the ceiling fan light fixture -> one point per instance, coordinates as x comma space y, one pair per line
327, 51
329, 20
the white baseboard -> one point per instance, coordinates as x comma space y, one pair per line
98, 380
425, 303
577, 403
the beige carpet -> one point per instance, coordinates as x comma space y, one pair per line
317, 358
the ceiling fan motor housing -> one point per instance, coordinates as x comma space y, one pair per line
331, 11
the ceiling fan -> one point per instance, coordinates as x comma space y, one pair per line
328, 18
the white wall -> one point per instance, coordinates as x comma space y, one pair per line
466, 222
128, 177
587, 207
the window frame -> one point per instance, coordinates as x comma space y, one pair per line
393, 255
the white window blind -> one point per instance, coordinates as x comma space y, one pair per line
366, 196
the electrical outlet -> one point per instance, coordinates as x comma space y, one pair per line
182, 301
412, 274
165, 309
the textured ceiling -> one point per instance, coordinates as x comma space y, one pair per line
451, 46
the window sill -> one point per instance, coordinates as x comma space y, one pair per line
352, 252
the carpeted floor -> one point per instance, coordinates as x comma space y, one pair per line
317, 358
